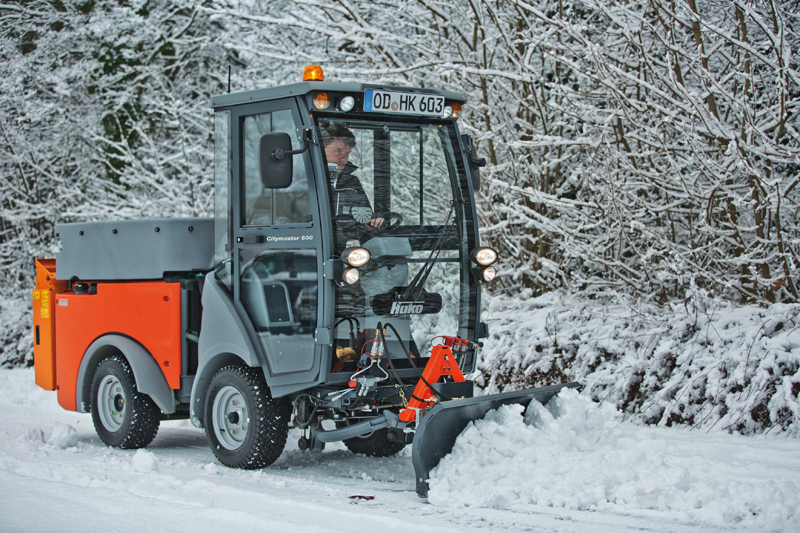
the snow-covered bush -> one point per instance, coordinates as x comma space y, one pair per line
16, 338
700, 363
640, 147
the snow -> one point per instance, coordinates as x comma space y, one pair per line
576, 454
666, 215
144, 461
703, 362
63, 437
32, 439
573, 467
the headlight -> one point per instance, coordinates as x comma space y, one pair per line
483, 275
483, 256
347, 103
351, 275
448, 110
356, 257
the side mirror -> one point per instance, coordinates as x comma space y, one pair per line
474, 162
275, 163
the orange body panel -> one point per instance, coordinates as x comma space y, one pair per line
147, 311
44, 354
46, 276
441, 363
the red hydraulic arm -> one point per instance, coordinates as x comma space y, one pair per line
441, 363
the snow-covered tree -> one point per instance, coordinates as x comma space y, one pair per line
647, 146
104, 113
643, 146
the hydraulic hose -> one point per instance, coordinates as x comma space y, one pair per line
382, 339
413, 365
418, 283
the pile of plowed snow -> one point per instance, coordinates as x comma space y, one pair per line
576, 454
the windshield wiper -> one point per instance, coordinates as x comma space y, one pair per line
416, 286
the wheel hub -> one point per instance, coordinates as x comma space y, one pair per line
110, 403
230, 417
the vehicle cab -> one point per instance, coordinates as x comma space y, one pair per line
299, 251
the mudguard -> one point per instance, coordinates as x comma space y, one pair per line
443, 423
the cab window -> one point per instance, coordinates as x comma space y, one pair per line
270, 207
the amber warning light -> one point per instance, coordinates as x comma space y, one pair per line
313, 73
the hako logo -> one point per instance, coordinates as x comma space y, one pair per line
406, 308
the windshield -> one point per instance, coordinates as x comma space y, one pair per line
394, 191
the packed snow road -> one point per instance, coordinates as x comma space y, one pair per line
570, 467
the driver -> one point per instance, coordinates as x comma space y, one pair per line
348, 197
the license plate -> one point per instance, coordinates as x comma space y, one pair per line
403, 103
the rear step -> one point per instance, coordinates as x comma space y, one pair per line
447, 420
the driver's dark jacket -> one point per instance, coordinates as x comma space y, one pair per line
351, 207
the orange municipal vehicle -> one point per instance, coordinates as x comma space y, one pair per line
336, 289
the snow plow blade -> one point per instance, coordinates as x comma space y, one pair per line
440, 427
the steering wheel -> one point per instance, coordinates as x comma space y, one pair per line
391, 221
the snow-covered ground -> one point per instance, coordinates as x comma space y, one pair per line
572, 466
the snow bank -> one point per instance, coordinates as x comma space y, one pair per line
32, 439
575, 454
63, 437
702, 362
212, 469
144, 461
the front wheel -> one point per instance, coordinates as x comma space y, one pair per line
246, 428
123, 417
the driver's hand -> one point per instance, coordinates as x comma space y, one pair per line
374, 223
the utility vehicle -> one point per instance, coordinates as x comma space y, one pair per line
285, 310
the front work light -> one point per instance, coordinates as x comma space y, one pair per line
356, 257
483, 274
351, 276
483, 256
347, 103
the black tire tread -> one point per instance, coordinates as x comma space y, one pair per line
271, 423
145, 416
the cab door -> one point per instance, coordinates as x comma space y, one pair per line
277, 249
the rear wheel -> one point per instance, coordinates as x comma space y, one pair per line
123, 417
376, 444
246, 428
